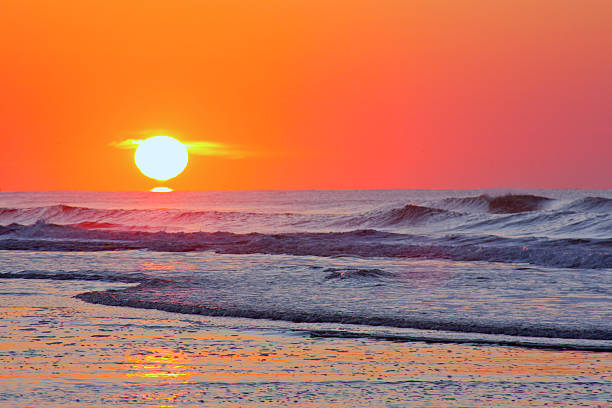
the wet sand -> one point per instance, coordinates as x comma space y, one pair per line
59, 351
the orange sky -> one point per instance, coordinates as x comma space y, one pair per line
342, 94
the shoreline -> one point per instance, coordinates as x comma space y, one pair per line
342, 329
58, 351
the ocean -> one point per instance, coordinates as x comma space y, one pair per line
497, 268
467, 263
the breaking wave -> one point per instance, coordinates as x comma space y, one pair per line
408, 215
509, 228
530, 212
159, 219
567, 252
506, 204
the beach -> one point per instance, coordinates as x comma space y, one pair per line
59, 351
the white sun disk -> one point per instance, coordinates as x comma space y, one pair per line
161, 157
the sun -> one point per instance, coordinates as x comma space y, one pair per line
161, 157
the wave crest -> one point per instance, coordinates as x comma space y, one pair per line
506, 204
408, 215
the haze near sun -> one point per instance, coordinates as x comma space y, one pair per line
161, 157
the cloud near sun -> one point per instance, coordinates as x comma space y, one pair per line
202, 148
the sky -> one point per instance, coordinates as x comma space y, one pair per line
436, 94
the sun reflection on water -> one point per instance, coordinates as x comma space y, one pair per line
161, 190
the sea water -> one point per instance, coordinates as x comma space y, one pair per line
527, 268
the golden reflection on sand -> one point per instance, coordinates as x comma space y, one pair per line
163, 360
157, 363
